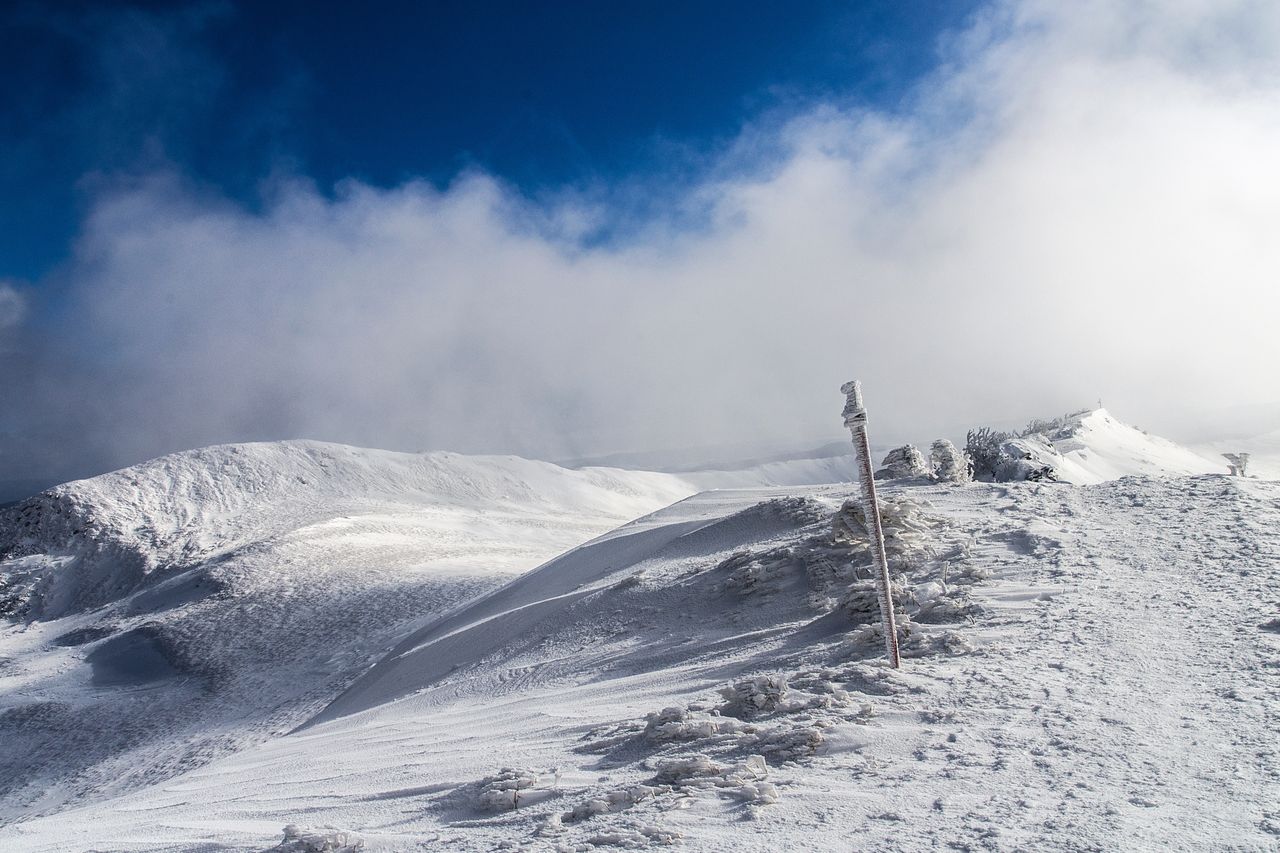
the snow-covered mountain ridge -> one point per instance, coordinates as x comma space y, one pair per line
1092, 446
113, 534
185, 607
218, 643
1087, 667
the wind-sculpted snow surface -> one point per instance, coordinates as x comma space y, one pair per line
1085, 668
178, 610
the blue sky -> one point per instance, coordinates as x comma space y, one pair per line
542, 95
572, 229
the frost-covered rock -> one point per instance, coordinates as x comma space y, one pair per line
903, 462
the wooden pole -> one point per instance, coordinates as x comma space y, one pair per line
855, 418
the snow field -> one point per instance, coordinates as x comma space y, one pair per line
1085, 667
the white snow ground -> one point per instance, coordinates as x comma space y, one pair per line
205, 600
1089, 667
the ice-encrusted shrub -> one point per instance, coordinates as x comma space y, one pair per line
982, 446
862, 602
1054, 428
1024, 459
614, 801
1238, 463
871, 634
822, 563
325, 840
752, 573
758, 793
942, 604
903, 520
635, 836
753, 696
902, 462
506, 789
798, 510
677, 771
1011, 456
822, 683
745, 779
679, 724
790, 744
919, 644
948, 464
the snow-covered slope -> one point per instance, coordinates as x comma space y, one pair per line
116, 533
1096, 447
198, 602
1092, 447
215, 644
1087, 667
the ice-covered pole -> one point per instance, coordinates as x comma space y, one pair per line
855, 418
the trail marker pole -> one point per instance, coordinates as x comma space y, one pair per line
855, 418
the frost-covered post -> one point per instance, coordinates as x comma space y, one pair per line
855, 418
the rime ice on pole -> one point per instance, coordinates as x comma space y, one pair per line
855, 418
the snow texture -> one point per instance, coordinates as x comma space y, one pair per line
1089, 664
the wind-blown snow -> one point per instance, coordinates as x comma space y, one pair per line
201, 601
361, 656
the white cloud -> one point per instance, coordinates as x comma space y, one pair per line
1080, 203
13, 309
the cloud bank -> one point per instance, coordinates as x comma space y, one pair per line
1079, 203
